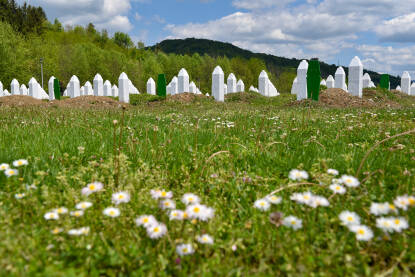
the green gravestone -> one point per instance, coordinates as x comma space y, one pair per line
313, 79
384, 81
56, 89
161, 85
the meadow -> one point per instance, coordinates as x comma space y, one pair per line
229, 155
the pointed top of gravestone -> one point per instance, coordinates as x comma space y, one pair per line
340, 70
23, 86
150, 80
98, 77
406, 75
114, 86
107, 83
14, 82
74, 79
295, 80
123, 76
183, 72
51, 78
356, 62
192, 84
263, 74
174, 79
232, 77
240, 82
303, 65
366, 76
218, 70
32, 81
398, 88
88, 84
330, 78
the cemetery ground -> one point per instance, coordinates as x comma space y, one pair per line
228, 154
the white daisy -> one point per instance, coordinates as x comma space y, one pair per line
385, 224
4, 166
145, 220
297, 175
19, 195
273, 199
402, 202
167, 204
411, 200
184, 249
379, 208
56, 231
92, 187
20, 162
61, 210
318, 201
292, 222
176, 215
262, 204
349, 181
362, 232
120, 197
156, 230
11, 172
156, 194
336, 188
74, 232
32, 186
190, 198
205, 239
303, 198
399, 224
111, 212
51, 216
349, 218
198, 211
84, 230
83, 205
77, 213
332, 171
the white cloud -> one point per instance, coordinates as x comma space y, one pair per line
398, 29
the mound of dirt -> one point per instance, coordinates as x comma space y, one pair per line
20, 101
338, 98
186, 97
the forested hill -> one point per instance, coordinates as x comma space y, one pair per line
275, 64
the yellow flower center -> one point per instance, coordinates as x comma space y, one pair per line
392, 207
361, 232
83, 205
190, 199
411, 201
77, 213
293, 222
306, 197
121, 196
166, 204
55, 231
60, 210
11, 172
350, 218
397, 221
196, 209
156, 230
204, 239
184, 250
184, 215
91, 187
337, 188
19, 162
174, 214
145, 220
262, 204
163, 193
112, 212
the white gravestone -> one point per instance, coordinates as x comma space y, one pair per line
218, 82
107, 88
398, 88
88, 88
168, 89
98, 85
231, 83
340, 79
174, 85
366, 80
151, 86
133, 89
192, 88
51, 89
356, 77
74, 86
34, 90
43, 94
323, 83
114, 91
302, 80
82, 91
330, 82
406, 82
240, 86
6, 93
124, 88
272, 91
183, 84
24, 90
15, 87
294, 87
1, 89
225, 89
263, 83
251, 88
413, 89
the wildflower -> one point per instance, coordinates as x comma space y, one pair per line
56, 231
167, 204
176, 215
20, 163
379, 208
385, 224
78, 232
120, 197
78, 213
402, 202
184, 249
19, 195
92, 187
61, 210
262, 204
399, 224
32, 186
272, 199
411, 200
234, 247
4, 166
349, 218
317, 201
111, 212
362, 232
293, 222
156, 194
198, 211
349, 181
83, 205
296, 175
145, 220
11, 172
156, 230
51, 216
333, 172
190, 198
303, 198
205, 239
339, 189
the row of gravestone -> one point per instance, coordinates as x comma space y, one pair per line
357, 81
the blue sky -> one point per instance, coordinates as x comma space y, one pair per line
380, 32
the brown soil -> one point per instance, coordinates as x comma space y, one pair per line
338, 98
88, 102
185, 97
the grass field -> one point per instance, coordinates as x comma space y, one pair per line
230, 155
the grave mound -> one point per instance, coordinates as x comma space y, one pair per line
88, 102
20, 101
186, 97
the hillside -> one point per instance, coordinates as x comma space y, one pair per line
275, 64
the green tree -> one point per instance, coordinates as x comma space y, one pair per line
123, 40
